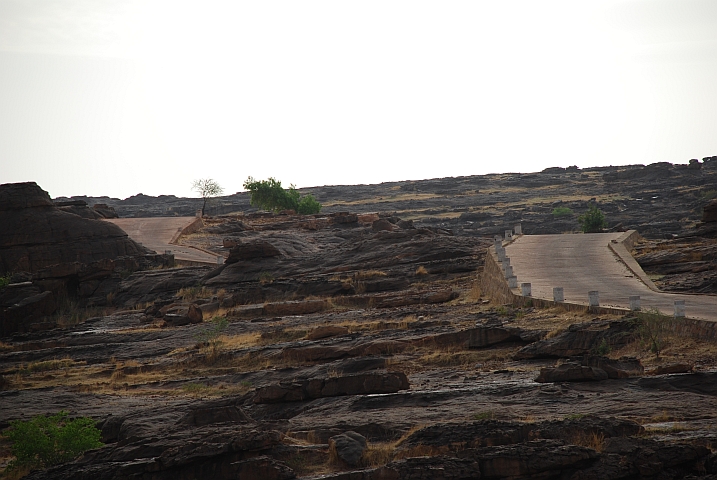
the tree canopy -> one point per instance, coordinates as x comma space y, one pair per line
271, 196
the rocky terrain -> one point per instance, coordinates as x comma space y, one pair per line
659, 200
357, 344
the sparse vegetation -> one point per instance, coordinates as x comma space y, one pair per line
210, 335
5, 280
50, 440
488, 415
654, 329
421, 270
271, 196
189, 294
562, 212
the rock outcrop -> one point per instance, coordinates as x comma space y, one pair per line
36, 234
64, 251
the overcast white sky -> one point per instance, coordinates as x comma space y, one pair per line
103, 97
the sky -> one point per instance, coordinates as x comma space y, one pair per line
116, 98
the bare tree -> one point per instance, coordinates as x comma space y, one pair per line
207, 188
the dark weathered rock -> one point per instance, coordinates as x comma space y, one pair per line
581, 339
570, 372
709, 212
445, 437
326, 331
360, 384
36, 234
623, 367
673, 368
547, 458
252, 251
105, 210
484, 336
349, 447
383, 225
178, 315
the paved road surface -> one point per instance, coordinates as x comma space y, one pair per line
155, 233
583, 262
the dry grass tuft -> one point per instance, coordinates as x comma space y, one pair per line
193, 293
421, 270
49, 365
594, 440
366, 274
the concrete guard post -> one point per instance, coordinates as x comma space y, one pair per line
509, 234
501, 254
518, 229
513, 282
558, 294
634, 302
525, 289
508, 272
679, 308
594, 298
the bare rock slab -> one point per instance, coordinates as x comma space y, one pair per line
571, 373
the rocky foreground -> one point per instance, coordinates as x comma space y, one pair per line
358, 345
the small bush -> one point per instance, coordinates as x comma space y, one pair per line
45, 441
5, 280
562, 212
593, 221
653, 330
211, 335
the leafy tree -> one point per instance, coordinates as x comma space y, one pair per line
271, 196
207, 188
45, 441
593, 221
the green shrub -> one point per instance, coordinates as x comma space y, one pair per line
562, 212
271, 196
5, 280
45, 441
593, 221
211, 334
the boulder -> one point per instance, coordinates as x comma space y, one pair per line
571, 372
349, 447
326, 331
178, 315
624, 367
383, 225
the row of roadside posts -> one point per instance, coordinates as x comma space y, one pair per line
558, 293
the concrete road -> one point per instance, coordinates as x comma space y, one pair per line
156, 233
583, 262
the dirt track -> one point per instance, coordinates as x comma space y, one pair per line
156, 233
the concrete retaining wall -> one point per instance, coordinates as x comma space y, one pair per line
196, 224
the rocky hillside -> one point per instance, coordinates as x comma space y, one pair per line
658, 200
357, 344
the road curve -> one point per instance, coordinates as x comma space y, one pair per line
156, 233
583, 262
